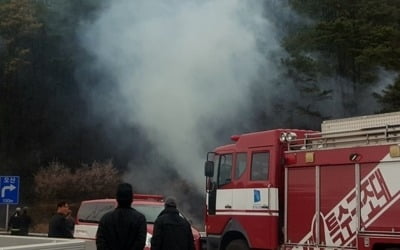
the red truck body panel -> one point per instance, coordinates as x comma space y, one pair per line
331, 184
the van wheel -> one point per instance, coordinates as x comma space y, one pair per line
237, 245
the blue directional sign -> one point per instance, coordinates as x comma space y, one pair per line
9, 189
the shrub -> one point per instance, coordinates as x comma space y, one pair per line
58, 182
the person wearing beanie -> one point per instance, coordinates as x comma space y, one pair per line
171, 231
124, 227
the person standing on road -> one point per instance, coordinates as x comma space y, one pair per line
70, 221
123, 228
58, 226
15, 222
172, 231
26, 221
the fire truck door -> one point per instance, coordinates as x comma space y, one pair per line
220, 197
256, 204
224, 178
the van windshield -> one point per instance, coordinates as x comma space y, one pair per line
150, 211
92, 212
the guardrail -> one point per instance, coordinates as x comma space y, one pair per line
370, 136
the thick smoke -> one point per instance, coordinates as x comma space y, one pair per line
2, 46
180, 71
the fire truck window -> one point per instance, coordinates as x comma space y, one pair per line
225, 169
260, 166
241, 159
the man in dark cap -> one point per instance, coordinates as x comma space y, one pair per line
124, 227
171, 231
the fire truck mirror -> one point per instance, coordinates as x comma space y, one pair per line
209, 169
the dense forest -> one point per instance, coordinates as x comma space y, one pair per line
66, 75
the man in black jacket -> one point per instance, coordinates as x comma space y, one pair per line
26, 221
124, 228
171, 231
58, 226
15, 223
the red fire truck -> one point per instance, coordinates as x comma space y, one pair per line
301, 189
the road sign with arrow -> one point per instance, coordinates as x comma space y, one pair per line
9, 189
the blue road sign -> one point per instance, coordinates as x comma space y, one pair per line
9, 189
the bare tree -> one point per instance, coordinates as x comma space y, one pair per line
58, 182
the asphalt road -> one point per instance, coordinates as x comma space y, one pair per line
90, 245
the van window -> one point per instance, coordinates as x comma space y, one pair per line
260, 166
241, 159
92, 212
150, 212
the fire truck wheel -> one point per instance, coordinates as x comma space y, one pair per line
237, 245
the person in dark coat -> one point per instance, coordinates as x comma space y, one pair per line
26, 221
58, 226
15, 222
123, 228
70, 221
172, 231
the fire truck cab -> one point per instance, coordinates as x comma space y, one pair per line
301, 189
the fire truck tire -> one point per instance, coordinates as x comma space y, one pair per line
237, 245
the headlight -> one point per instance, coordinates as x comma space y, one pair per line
291, 136
282, 138
287, 137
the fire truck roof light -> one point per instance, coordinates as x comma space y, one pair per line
291, 136
288, 137
282, 138
235, 137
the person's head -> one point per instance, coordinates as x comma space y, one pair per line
18, 210
62, 207
25, 210
124, 195
170, 202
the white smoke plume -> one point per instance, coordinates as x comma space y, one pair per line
181, 70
